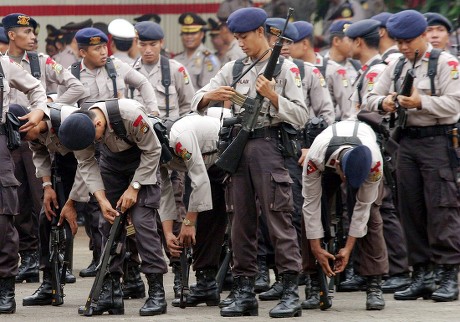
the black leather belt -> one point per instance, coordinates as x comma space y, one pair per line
418, 132
2, 129
264, 132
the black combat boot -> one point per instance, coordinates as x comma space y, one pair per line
422, 284
374, 292
396, 283
69, 277
245, 302
274, 293
312, 298
354, 284
111, 298
91, 270
133, 285
448, 288
156, 302
262, 283
289, 305
43, 295
205, 290
28, 270
230, 297
7, 302
177, 286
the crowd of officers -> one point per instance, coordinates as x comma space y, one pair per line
308, 159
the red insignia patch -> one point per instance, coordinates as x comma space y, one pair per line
182, 152
138, 121
341, 72
295, 70
50, 61
311, 167
376, 167
371, 76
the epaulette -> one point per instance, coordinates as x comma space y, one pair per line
206, 53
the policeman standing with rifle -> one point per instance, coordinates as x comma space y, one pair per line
255, 162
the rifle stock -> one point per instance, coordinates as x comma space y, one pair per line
325, 301
223, 268
185, 262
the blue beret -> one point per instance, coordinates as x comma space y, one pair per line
356, 164
77, 132
364, 28
339, 26
383, 18
14, 20
304, 29
436, 19
149, 30
91, 37
3, 38
406, 24
246, 19
18, 111
275, 26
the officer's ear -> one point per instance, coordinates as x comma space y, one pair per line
82, 52
11, 34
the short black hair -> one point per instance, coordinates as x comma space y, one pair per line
122, 45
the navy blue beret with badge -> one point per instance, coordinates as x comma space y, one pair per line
149, 30
382, 18
304, 30
436, 19
366, 28
3, 38
91, 37
18, 111
246, 19
275, 26
77, 132
407, 24
14, 20
356, 164
339, 27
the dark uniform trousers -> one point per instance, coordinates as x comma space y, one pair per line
261, 174
117, 170
429, 200
30, 193
65, 167
9, 206
373, 256
92, 215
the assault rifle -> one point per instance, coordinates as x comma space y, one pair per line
111, 249
230, 158
223, 268
185, 262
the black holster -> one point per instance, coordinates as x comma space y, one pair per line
288, 146
12, 125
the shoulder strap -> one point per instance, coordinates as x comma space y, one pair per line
237, 69
165, 80
113, 111
2, 76
337, 141
301, 67
398, 71
433, 68
110, 67
323, 68
34, 64
131, 87
55, 117
356, 65
388, 53
75, 69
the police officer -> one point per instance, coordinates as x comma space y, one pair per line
233, 51
123, 34
199, 61
3, 41
257, 175
438, 30
348, 149
68, 50
431, 225
128, 179
387, 45
14, 76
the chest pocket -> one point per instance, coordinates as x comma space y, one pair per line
424, 86
161, 96
120, 86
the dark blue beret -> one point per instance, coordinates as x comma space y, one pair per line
364, 28
406, 24
356, 164
3, 38
304, 30
339, 26
18, 111
383, 18
246, 19
14, 20
275, 26
436, 19
91, 37
77, 132
149, 30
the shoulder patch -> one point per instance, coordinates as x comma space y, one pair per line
343, 73
371, 80
311, 167
184, 74
376, 172
454, 70
182, 152
296, 72
318, 74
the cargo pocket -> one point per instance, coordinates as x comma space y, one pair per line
448, 190
9, 203
281, 192
229, 196
149, 196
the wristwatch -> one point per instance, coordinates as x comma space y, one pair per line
188, 222
136, 185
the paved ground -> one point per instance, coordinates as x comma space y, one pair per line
346, 306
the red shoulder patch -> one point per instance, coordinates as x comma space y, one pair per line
311, 167
50, 61
342, 72
138, 121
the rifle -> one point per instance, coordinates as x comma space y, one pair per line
185, 262
325, 300
230, 158
58, 238
111, 249
222, 272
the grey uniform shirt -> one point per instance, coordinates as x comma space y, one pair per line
180, 91
16, 78
443, 108
234, 52
193, 139
66, 57
291, 103
314, 166
139, 131
202, 65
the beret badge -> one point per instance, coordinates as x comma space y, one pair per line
23, 20
94, 40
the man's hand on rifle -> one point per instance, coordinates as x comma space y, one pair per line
172, 242
69, 213
322, 256
108, 212
128, 199
409, 102
343, 256
266, 88
49, 201
389, 103
223, 93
